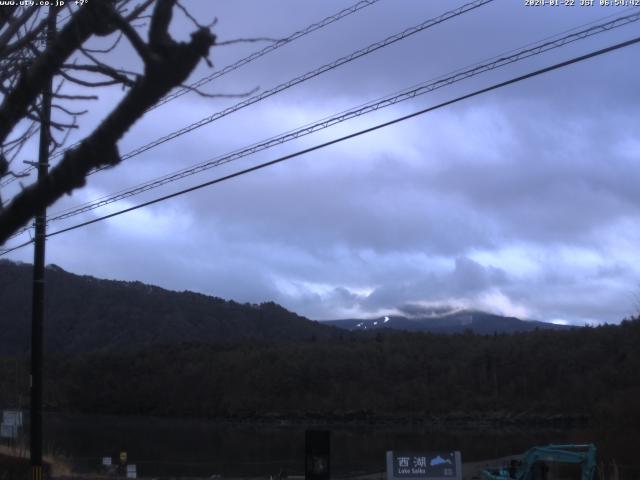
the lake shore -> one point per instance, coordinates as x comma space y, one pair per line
454, 419
262, 446
365, 418
15, 461
19, 466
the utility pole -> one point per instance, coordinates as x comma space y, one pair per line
37, 312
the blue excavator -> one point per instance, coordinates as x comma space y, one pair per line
533, 465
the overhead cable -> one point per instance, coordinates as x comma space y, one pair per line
307, 76
268, 49
302, 78
240, 63
347, 137
404, 95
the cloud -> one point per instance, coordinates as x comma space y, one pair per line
523, 201
417, 310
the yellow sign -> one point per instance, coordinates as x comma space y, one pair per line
123, 457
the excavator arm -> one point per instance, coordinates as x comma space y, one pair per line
537, 457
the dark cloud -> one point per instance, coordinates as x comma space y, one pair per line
466, 279
522, 201
413, 310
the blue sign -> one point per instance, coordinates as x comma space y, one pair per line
424, 466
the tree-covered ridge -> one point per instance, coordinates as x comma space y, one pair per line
86, 314
591, 372
451, 321
126, 347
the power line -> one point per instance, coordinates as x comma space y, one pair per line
404, 95
270, 48
295, 81
307, 76
5, 251
240, 63
347, 137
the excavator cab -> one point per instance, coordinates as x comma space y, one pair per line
534, 464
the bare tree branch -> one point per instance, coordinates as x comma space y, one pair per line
69, 112
87, 83
16, 175
59, 143
85, 22
30, 36
168, 66
160, 20
75, 97
133, 37
193, 19
6, 14
14, 26
138, 10
105, 50
117, 76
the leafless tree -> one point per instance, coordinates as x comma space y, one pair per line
70, 58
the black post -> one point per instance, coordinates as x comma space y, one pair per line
317, 464
37, 313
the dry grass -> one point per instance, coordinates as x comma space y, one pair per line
59, 467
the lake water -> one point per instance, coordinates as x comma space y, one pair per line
190, 447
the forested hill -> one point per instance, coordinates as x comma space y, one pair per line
154, 351
539, 376
86, 314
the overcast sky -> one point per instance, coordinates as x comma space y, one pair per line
523, 201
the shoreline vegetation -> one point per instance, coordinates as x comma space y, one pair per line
453, 419
541, 377
364, 419
565, 378
134, 349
